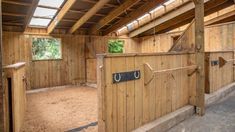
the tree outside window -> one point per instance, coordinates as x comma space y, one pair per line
46, 49
115, 46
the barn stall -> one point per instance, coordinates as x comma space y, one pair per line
156, 73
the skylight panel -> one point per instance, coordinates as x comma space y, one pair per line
168, 2
39, 22
130, 24
51, 3
142, 17
44, 12
123, 28
156, 9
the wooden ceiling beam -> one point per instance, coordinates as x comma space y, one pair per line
72, 20
88, 15
12, 23
113, 14
60, 15
164, 18
30, 13
94, 2
187, 8
220, 18
150, 4
13, 14
184, 19
16, 3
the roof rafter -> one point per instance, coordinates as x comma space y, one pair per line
13, 14
179, 14
16, 3
30, 13
88, 15
113, 14
134, 15
221, 17
60, 15
94, 2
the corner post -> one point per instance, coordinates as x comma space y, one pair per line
1, 81
200, 56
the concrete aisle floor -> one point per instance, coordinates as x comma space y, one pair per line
220, 117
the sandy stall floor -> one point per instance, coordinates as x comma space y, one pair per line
59, 110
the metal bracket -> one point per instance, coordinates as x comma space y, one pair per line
198, 110
215, 62
126, 76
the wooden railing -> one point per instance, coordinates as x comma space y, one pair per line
14, 96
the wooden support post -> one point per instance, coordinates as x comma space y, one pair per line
1, 82
101, 93
200, 56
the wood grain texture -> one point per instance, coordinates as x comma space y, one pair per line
216, 76
77, 65
69, 70
128, 105
18, 93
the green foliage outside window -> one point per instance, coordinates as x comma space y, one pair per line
46, 48
115, 46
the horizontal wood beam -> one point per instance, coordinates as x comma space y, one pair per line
113, 14
94, 2
150, 4
210, 7
88, 15
30, 13
164, 18
220, 17
56, 8
60, 15
12, 23
13, 14
16, 3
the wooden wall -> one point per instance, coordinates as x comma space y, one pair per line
77, 65
69, 70
186, 42
128, 105
219, 37
216, 76
157, 43
99, 45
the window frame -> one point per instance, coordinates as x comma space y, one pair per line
47, 37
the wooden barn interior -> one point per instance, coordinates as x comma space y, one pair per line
112, 65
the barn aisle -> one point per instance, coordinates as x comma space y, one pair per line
62, 109
220, 117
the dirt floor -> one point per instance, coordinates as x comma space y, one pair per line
66, 109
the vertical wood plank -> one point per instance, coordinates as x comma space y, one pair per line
200, 48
